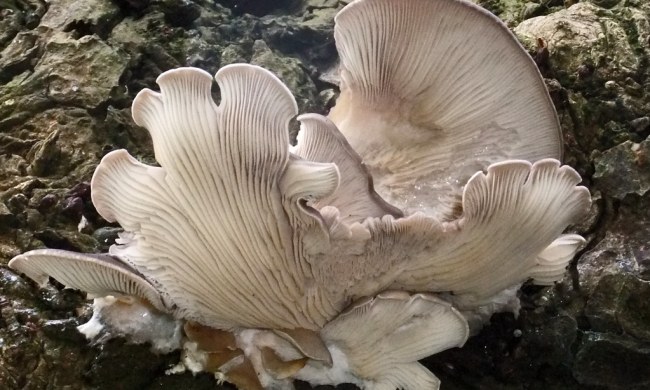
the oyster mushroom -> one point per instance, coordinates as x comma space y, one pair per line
434, 91
287, 262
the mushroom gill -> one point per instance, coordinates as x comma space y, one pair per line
434, 91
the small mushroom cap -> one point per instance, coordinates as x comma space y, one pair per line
244, 376
98, 275
355, 199
434, 91
383, 337
278, 368
511, 218
552, 261
308, 342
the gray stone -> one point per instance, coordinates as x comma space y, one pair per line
7, 218
612, 362
583, 33
106, 236
624, 169
90, 16
82, 71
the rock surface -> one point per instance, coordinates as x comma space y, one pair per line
69, 71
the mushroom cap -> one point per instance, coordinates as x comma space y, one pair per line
507, 233
219, 226
434, 91
319, 140
382, 337
97, 274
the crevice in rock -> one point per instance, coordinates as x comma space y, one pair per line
259, 8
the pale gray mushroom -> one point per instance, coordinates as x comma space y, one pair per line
433, 91
505, 235
319, 140
98, 274
219, 226
378, 341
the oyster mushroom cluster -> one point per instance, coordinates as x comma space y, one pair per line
393, 229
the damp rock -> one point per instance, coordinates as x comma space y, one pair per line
181, 13
81, 18
72, 207
17, 203
46, 203
43, 154
119, 364
7, 218
599, 56
65, 329
582, 33
257, 8
620, 303
308, 35
624, 169
82, 71
19, 55
233, 54
66, 239
623, 248
640, 124
606, 3
610, 361
13, 166
81, 190
33, 219
106, 236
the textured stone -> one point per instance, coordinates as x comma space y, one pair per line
624, 169
583, 34
612, 362
83, 18
620, 302
82, 71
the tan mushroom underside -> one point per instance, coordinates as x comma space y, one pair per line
434, 91
384, 336
99, 275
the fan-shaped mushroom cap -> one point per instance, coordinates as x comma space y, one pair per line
552, 261
220, 226
382, 338
308, 343
510, 215
319, 140
434, 91
98, 275
505, 235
